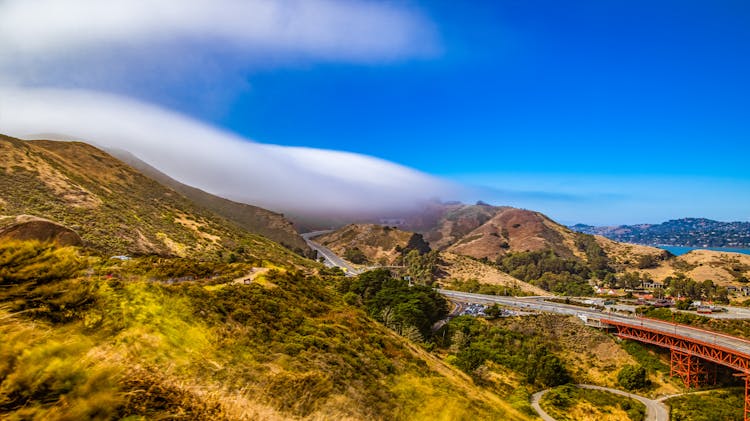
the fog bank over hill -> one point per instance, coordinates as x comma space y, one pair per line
276, 177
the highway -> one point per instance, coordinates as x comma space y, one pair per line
531, 303
330, 257
538, 304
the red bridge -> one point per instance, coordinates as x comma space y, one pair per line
694, 352
691, 350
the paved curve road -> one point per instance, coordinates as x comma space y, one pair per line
655, 410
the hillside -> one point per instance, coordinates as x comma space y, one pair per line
489, 232
271, 225
79, 343
689, 232
116, 209
465, 269
723, 268
374, 243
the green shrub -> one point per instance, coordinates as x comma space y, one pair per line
33, 261
633, 377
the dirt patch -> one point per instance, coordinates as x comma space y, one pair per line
197, 227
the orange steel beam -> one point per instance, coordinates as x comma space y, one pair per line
685, 353
707, 351
689, 368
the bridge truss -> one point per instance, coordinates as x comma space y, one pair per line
690, 358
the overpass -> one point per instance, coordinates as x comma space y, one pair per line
690, 348
331, 259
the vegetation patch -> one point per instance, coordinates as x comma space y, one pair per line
96, 339
548, 271
726, 405
474, 286
572, 403
473, 343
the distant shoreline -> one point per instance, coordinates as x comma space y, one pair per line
679, 250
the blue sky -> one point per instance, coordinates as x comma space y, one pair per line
601, 112
650, 95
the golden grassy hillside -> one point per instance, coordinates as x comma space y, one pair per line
86, 338
379, 244
724, 268
253, 219
114, 208
462, 268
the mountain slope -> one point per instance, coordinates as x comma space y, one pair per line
251, 218
723, 268
80, 344
376, 243
512, 229
483, 231
114, 208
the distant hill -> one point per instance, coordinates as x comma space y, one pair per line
114, 208
688, 232
490, 232
252, 218
371, 243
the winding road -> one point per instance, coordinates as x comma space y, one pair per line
330, 257
655, 410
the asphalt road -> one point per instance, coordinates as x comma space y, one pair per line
531, 303
537, 304
655, 410
331, 258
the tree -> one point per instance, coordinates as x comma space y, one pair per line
421, 267
494, 311
417, 242
396, 304
647, 261
683, 304
552, 372
355, 255
633, 377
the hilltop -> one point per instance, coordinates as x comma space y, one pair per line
371, 243
271, 225
116, 209
688, 232
504, 250
490, 232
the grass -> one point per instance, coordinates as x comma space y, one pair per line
646, 356
90, 346
119, 211
725, 405
569, 402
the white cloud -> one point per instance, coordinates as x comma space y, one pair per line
119, 44
57, 57
325, 28
277, 177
